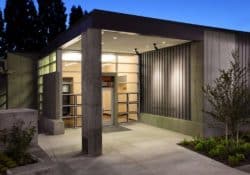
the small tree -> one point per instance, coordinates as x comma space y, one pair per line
229, 98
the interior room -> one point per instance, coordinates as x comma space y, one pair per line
120, 76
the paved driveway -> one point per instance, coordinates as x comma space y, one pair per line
135, 149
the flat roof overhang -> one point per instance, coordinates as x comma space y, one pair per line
131, 23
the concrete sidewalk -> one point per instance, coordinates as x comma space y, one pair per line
137, 150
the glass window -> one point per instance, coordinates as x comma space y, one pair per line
46, 65
108, 58
128, 59
127, 68
53, 67
107, 67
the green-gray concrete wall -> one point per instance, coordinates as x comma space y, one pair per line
51, 96
22, 81
193, 127
183, 126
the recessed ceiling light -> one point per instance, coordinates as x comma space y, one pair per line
127, 33
163, 42
115, 38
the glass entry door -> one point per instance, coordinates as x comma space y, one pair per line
107, 106
107, 100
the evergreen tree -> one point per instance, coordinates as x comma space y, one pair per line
21, 25
76, 14
52, 19
3, 46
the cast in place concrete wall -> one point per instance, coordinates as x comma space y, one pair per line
194, 126
51, 111
92, 92
11, 116
22, 80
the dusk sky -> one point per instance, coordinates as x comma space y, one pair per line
231, 14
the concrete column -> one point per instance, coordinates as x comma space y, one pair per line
52, 123
91, 93
59, 70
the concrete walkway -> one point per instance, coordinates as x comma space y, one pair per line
138, 149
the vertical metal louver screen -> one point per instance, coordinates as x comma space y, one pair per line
165, 82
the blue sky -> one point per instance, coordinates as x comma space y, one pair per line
231, 14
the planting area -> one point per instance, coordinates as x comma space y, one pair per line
16, 143
229, 151
6, 162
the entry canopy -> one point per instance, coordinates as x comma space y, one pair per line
124, 42
133, 32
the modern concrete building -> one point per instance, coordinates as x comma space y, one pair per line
112, 68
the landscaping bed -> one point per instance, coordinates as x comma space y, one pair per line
228, 151
7, 162
15, 145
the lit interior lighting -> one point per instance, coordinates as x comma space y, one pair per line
163, 42
128, 33
70, 64
71, 56
115, 38
108, 58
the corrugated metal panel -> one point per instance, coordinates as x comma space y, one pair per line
165, 82
243, 47
218, 48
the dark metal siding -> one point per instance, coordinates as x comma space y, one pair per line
165, 82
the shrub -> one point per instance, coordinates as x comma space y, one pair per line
219, 151
199, 147
3, 169
246, 148
185, 142
233, 160
240, 157
236, 159
213, 153
17, 140
6, 163
205, 145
